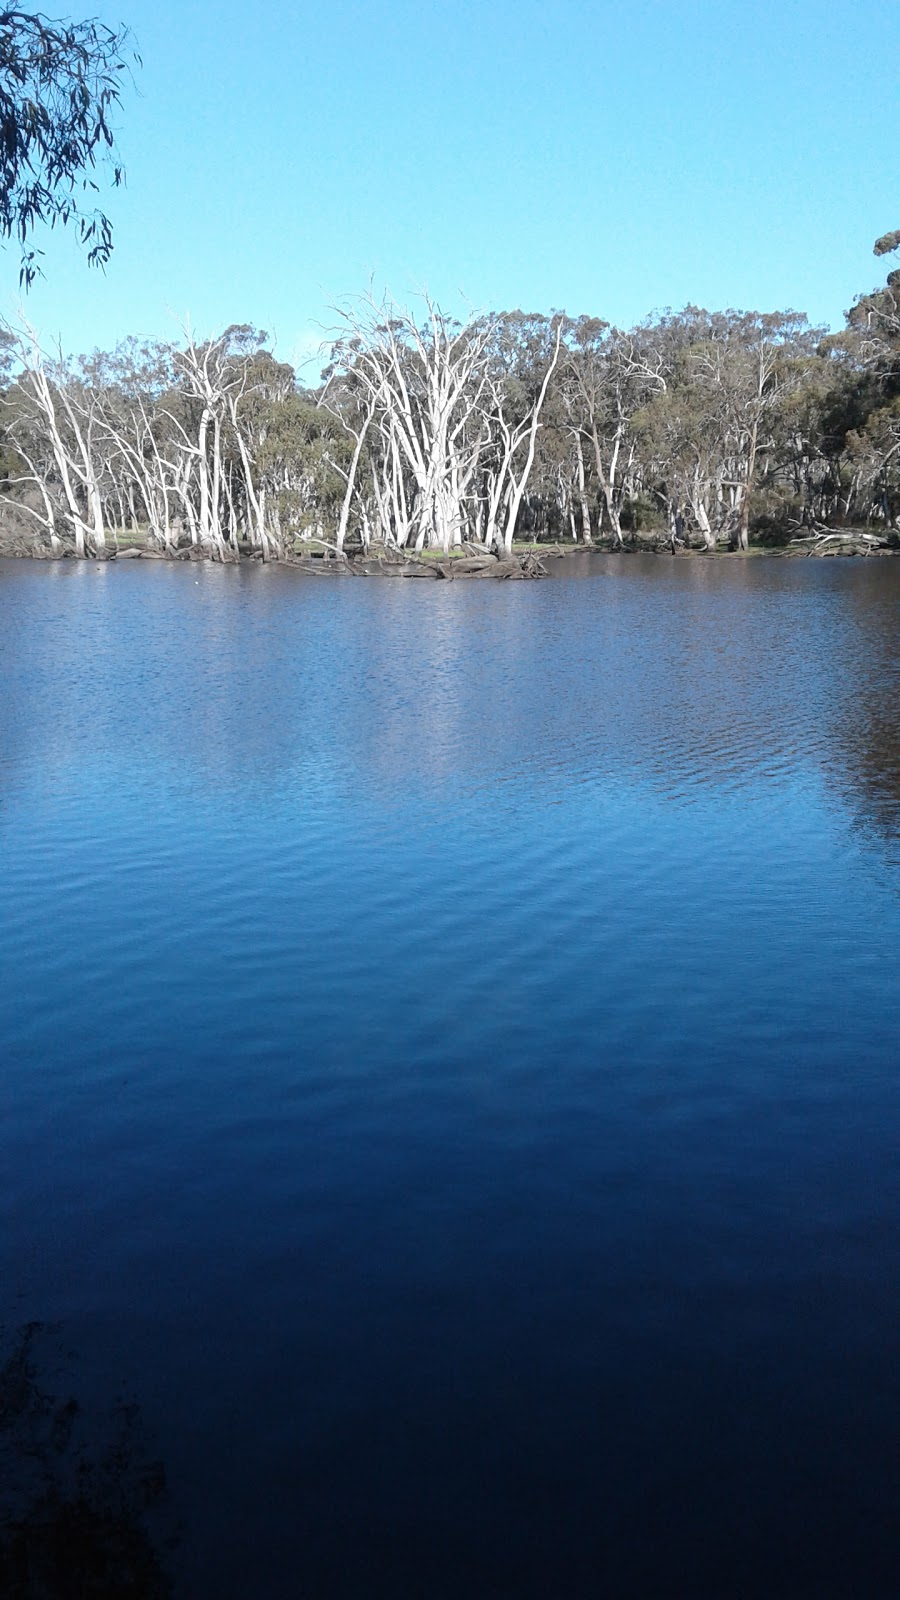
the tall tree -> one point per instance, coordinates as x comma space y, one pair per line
611, 374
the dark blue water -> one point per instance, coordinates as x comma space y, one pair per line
449, 1080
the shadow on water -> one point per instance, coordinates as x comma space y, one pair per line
76, 1491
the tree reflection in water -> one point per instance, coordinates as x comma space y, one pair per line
77, 1495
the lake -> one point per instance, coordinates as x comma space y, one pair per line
449, 1041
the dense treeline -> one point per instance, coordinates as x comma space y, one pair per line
704, 427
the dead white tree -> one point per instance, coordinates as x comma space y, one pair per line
52, 421
356, 421
450, 452
512, 468
424, 382
196, 438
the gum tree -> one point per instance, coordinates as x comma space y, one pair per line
60, 86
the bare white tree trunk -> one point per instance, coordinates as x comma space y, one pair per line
519, 481
424, 385
582, 491
64, 424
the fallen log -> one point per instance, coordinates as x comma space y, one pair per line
837, 541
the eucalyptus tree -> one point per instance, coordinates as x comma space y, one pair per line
733, 372
611, 374
201, 435
53, 421
765, 364
207, 379
352, 401
865, 415
429, 432
424, 381
304, 458
259, 389
217, 417
680, 454
60, 85
127, 387
524, 353
577, 488
875, 319
797, 483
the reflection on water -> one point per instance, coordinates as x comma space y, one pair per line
449, 1039
75, 1488
672, 674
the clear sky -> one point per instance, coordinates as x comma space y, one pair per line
583, 155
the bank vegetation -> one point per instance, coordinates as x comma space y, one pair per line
428, 437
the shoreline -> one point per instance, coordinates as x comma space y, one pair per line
524, 562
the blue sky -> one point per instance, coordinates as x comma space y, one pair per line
611, 158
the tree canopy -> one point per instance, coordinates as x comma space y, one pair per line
60, 83
699, 427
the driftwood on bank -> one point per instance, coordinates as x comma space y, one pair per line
823, 541
376, 562
389, 561
386, 563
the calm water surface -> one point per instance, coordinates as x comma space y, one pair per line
449, 1066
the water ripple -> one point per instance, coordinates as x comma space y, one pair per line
448, 1041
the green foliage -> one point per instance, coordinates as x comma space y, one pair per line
728, 425
640, 515
60, 83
